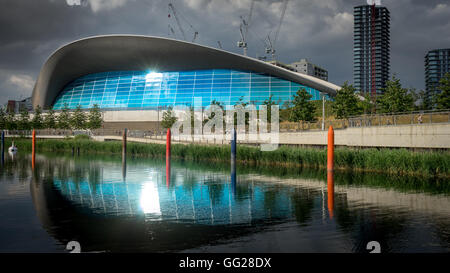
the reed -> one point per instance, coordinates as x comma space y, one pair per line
394, 161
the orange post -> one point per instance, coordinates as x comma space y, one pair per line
330, 159
33, 148
330, 184
168, 144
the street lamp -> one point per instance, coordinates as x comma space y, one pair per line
323, 111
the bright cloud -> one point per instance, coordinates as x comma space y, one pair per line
23, 82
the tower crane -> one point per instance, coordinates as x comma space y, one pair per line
245, 24
174, 12
271, 48
178, 20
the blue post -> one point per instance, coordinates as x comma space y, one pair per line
3, 147
233, 158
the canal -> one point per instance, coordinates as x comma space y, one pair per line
138, 206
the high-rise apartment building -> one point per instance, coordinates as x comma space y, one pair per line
371, 48
437, 63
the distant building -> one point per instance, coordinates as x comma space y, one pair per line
305, 67
371, 48
18, 105
437, 63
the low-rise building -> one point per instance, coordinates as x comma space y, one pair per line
305, 67
17, 106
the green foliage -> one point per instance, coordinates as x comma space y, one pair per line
346, 102
422, 100
24, 120
81, 137
11, 122
95, 118
269, 103
303, 109
78, 119
168, 118
392, 161
367, 105
64, 118
318, 106
243, 104
50, 120
37, 122
213, 114
285, 111
443, 98
395, 98
3, 119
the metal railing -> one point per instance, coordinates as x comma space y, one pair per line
390, 119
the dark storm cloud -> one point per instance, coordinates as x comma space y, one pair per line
320, 30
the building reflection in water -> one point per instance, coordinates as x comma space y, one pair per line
209, 199
88, 198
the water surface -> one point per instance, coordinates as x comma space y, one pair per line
139, 206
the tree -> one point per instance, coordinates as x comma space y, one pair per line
422, 100
213, 114
246, 115
64, 118
168, 118
37, 121
50, 120
443, 98
366, 106
24, 120
303, 109
11, 123
395, 98
95, 118
285, 111
346, 102
269, 102
78, 119
3, 119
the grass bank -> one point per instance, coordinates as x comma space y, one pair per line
393, 161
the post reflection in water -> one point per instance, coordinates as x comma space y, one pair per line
168, 148
330, 186
124, 168
233, 182
168, 173
2, 148
91, 202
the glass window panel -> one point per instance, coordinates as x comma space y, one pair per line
131, 88
202, 86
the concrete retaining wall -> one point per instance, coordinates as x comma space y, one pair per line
408, 136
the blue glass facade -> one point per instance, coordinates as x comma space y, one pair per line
149, 89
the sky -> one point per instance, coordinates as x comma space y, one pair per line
319, 30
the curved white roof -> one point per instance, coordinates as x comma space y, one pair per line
135, 52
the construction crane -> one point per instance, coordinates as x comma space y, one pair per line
195, 36
178, 20
271, 48
174, 12
245, 24
171, 31
220, 45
